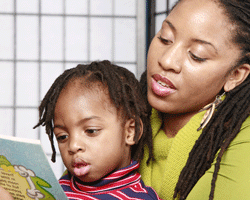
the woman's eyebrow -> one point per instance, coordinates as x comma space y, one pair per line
170, 25
194, 40
205, 42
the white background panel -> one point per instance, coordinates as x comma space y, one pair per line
49, 73
6, 5
6, 37
52, 6
125, 7
71, 65
52, 38
27, 84
6, 83
100, 38
6, 118
100, 7
161, 6
27, 6
27, 37
76, 38
26, 119
76, 7
125, 32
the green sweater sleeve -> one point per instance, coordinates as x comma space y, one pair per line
233, 181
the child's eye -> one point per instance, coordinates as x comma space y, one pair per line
61, 138
163, 40
196, 58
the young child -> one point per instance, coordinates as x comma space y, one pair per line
98, 116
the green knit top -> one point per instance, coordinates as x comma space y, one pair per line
171, 155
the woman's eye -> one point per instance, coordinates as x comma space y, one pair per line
92, 131
61, 138
196, 58
165, 41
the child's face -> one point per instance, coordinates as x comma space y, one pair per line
90, 134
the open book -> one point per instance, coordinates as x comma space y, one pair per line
25, 170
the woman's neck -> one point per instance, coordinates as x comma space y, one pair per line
172, 123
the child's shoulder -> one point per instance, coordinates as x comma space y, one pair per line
150, 192
65, 177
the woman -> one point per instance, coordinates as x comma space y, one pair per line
200, 59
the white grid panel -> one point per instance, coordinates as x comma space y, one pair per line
161, 7
41, 38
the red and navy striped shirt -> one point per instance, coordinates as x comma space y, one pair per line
123, 184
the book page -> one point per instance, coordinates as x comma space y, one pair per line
25, 171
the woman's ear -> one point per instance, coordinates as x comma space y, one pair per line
236, 77
130, 131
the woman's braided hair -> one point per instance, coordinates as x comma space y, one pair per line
232, 112
124, 92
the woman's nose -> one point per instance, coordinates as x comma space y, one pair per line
170, 58
76, 144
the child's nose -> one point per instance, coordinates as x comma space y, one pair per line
76, 144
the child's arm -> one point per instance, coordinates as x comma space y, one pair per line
5, 195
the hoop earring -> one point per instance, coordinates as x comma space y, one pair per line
210, 111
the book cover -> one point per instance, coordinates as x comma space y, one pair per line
25, 170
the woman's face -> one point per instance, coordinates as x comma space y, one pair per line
190, 57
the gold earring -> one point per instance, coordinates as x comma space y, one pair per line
210, 111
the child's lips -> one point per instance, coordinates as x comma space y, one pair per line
80, 167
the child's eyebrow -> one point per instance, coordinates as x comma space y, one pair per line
80, 121
87, 119
58, 126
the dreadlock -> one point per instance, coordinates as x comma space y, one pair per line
231, 113
124, 92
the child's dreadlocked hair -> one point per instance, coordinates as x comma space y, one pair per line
124, 92
232, 112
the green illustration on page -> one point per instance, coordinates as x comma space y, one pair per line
25, 171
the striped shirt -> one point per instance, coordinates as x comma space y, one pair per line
123, 184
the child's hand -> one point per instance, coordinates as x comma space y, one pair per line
5, 195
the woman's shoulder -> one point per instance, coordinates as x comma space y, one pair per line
244, 135
234, 174
246, 124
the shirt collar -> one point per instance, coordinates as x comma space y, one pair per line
117, 179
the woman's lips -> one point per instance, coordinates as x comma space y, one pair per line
80, 167
161, 86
